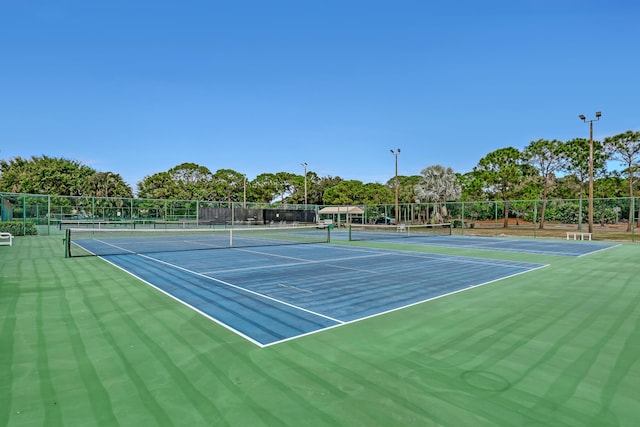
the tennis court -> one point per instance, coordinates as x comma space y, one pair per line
84, 343
270, 294
440, 235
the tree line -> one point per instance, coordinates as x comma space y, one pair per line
542, 170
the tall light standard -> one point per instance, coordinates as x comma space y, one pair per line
304, 165
395, 154
584, 119
244, 192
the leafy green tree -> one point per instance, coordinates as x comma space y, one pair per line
377, 194
606, 189
108, 184
318, 188
158, 186
227, 184
625, 148
438, 184
264, 188
576, 154
548, 159
525, 194
471, 186
567, 187
16, 176
406, 187
345, 193
57, 176
297, 192
186, 181
285, 184
501, 171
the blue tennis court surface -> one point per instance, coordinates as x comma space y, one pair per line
556, 247
273, 294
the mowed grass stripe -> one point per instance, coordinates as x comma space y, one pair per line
518, 327
52, 414
162, 317
254, 410
398, 402
130, 298
113, 342
132, 335
9, 296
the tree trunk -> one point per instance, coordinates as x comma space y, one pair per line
506, 213
544, 203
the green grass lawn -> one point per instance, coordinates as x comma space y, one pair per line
83, 343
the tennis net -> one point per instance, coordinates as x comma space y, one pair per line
85, 242
387, 232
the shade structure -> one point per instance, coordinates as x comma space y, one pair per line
332, 210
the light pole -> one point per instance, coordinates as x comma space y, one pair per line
395, 154
244, 192
304, 165
584, 119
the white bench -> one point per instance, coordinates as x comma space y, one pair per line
7, 237
575, 235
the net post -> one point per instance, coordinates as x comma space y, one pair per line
67, 243
231, 237
350, 226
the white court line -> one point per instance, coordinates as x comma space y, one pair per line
446, 257
491, 246
600, 250
372, 254
404, 306
197, 310
240, 288
302, 261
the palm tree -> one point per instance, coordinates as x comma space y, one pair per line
438, 185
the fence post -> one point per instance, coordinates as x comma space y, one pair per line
633, 217
495, 218
535, 217
48, 215
24, 215
462, 219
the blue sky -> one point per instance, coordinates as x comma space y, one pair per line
137, 87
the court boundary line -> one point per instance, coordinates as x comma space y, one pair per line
338, 323
432, 241
195, 273
406, 306
437, 256
301, 261
197, 310
599, 250
240, 288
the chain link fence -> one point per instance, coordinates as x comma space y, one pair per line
613, 218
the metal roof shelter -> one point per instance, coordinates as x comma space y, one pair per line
342, 213
351, 210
